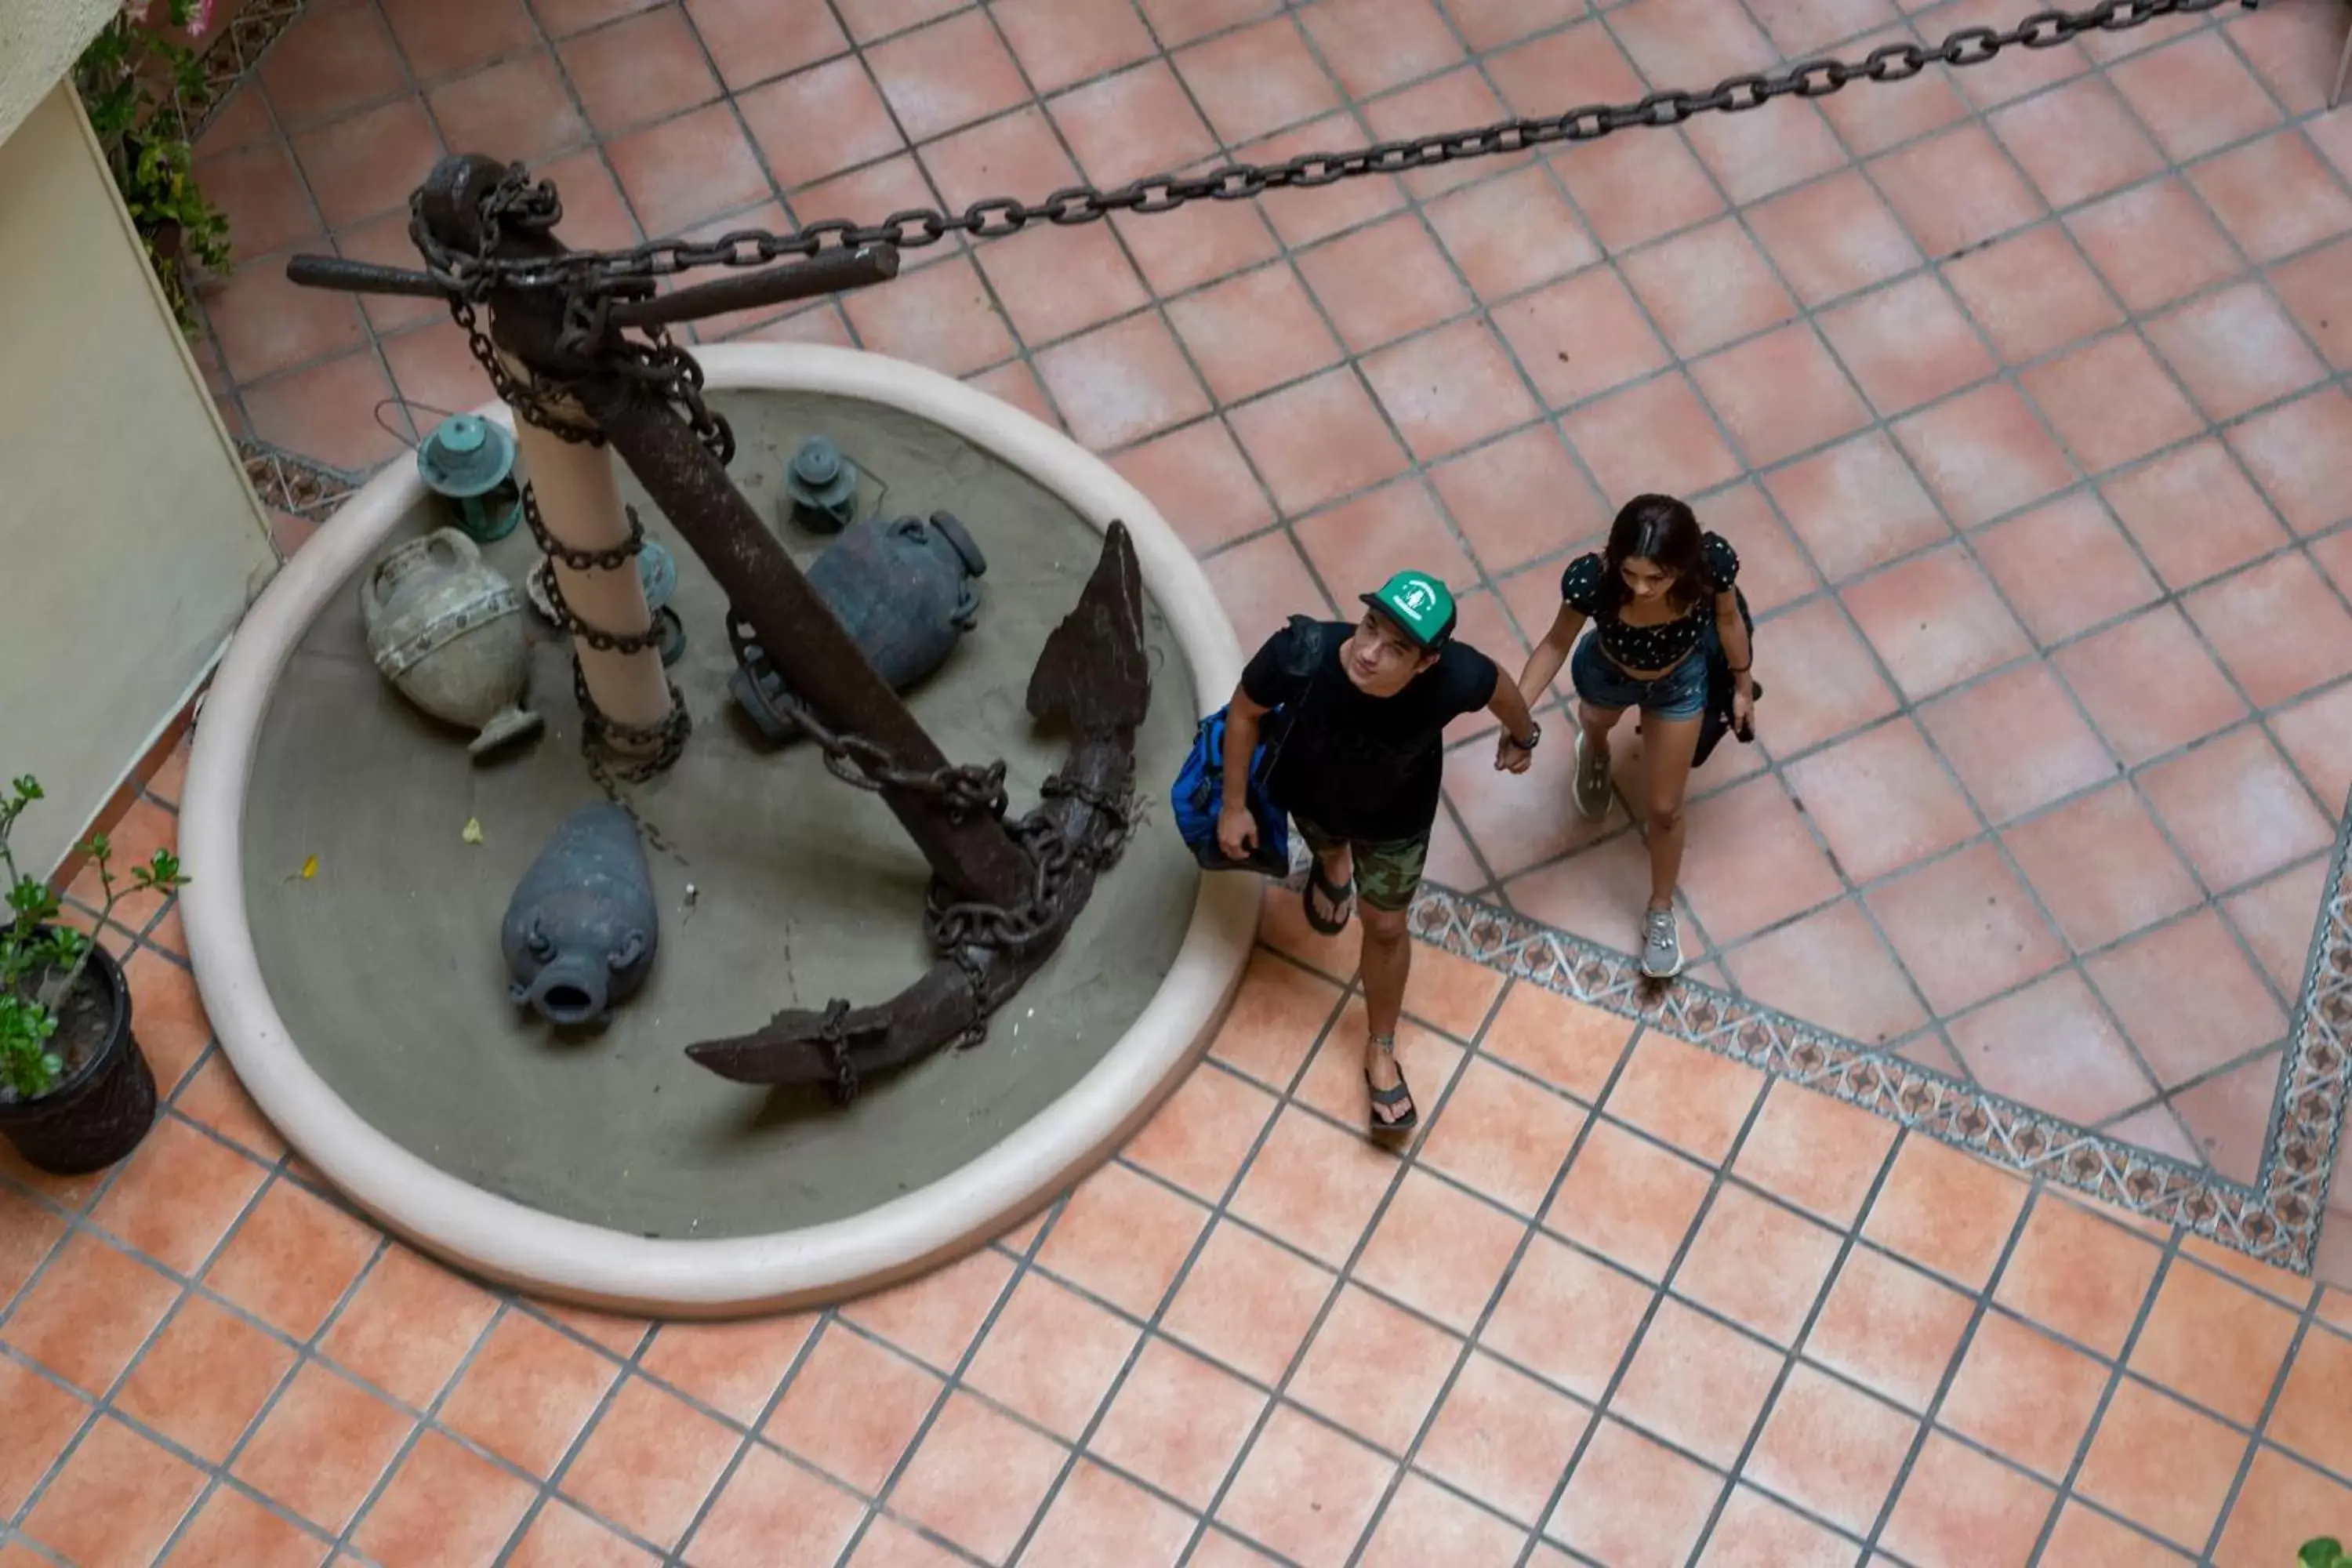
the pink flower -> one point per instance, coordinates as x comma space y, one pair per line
203, 18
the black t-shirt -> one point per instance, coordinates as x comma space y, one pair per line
1367, 768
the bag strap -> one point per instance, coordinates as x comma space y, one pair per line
1310, 641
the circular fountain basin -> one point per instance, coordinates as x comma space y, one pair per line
364, 1004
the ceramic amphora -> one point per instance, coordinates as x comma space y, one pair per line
447, 631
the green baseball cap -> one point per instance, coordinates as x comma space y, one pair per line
1420, 605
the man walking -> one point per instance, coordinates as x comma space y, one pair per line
1362, 763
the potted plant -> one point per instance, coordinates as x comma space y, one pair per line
76, 1094
138, 84
2325, 1552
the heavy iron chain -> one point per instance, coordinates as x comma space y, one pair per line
628, 273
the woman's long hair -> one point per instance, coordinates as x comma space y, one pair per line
1662, 532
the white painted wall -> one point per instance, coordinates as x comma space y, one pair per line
39, 41
130, 543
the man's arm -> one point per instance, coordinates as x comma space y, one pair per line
1510, 705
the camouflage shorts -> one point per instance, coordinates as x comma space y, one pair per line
1386, 873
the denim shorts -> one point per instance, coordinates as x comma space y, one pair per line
1680, 693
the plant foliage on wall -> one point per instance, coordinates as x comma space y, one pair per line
133, 79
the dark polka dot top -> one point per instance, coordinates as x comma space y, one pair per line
1660, 647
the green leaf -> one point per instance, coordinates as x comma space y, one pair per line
2326, 1552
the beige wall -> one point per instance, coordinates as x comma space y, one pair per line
39, 41
130, 543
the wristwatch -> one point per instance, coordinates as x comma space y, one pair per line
1535, 733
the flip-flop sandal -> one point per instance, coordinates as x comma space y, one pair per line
1389, 1100
1342, 898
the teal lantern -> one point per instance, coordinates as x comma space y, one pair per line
469, 462
821, 486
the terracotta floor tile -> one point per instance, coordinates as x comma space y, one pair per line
1262, 584
292, 1259
176, 1197
1253, 331
2101, 575
1354, 546
366, 162
977, 1478
770, 1511
1832, 970
1633, 1502
2149, 686
1959, 1509
1060, 42
1133, 123
2096, 1541
1815, 1152
441, 40
2236, 808
2188, 998
2100, 867
1306, 1490
2194, 514
889, 1544
2276, 921
1440, 1251
232, 1530
117, 1499
2160, 1463
1696, 1384
172, 1028
1177, 1422
1247, 1302
1689, 1096
1956, 190
2236, 351
1051, 1356
1628, 1199
1374, 1370
1511, 233
1424, 1524
1757, 1264
2278, 628
2154, 244
1581, 337
1753, 863
2309, 1416
204, 1379
2055, 1047
1709, 287
528, 1393
1299, 217
1843, 689
650, 1462
734, 1367
1199, 1138
1761, 159
2024, 1395
443, 1504
1906, 345
1256, 81
1888, 1327
749, 44
2031, 293
1449, 389
2218, 1344
648, 67
2274, 196
1197, 477
1122, 381
1098, 1516
1834, 1451
1317, 441
2079, 141
1857, 506
2229, 1115
2294, 455
1832, 237
90, 1313
1936, 621
1883, 801
2195, 96
42, 1419
408, 1326
1946, 1210
1278, 1015
1960, 959
2307, 286
935, 1317
1984, 454
323, 1447
2110, 402
1315, 1186
1659, 427
1631, 189
1504, 1438
1754, 1524
28, 1234
213, 1098
1503, 1135
852, 1408
1780, 394
2079, 1276
329, 61
2271, 1519
1566, 1316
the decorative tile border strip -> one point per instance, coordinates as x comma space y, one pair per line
2276, 1219
291, 483
233, 51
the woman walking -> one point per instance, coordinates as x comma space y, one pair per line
1658, 596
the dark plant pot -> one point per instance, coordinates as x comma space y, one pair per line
101, 1111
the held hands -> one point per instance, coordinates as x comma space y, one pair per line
1511, 759
1236, 832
